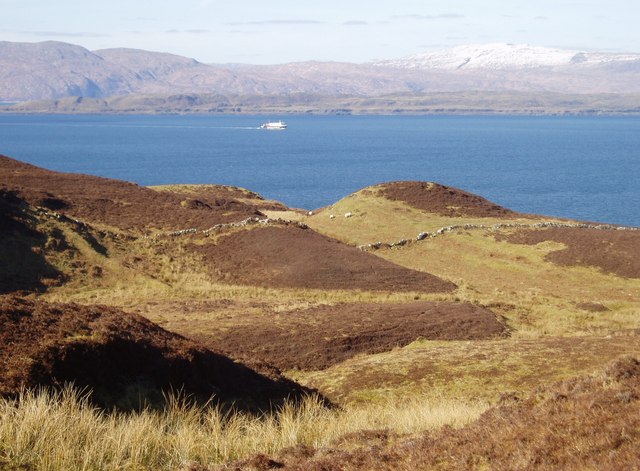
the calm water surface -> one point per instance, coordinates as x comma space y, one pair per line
580, 167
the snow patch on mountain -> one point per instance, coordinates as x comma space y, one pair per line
502, 56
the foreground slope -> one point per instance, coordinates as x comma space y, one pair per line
584, 423
125, 360
400, 291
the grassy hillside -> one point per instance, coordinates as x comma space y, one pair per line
403, 300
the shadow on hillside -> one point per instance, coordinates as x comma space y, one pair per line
130, 375
23, 265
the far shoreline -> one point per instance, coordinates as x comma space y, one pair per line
427, 104
266, 113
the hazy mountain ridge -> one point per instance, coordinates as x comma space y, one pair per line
54, 70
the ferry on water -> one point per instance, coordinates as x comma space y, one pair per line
274, 125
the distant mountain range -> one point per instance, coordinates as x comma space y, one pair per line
54, 70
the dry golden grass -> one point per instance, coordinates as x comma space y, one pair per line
466, 370
55, 431
138, 291
538, 297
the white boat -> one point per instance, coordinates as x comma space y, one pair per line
274, 125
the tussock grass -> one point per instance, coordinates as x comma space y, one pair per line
60, 430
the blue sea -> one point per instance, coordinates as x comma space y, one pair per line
585, 168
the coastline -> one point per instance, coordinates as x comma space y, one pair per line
463, 103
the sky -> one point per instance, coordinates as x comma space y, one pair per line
279, 31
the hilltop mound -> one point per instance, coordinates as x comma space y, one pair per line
293, 257
585, 423
317, 338
117, 203
123, 358
612, 251
443, 200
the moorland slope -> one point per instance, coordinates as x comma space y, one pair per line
582, 423
422, 294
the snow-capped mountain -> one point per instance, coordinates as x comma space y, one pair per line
498, 56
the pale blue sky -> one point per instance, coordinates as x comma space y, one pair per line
276, 31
